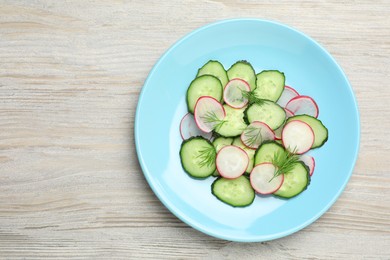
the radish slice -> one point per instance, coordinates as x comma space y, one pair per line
287, 94
188, 128
231, 161
297, 137
208, 113
309, 162
232, 94
301, 105
288, 113
278, 132
263, 179
256, 133
291, 89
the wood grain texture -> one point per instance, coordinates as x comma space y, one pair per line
70, 182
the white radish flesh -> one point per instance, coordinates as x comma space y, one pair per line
297, 137
208, 113
287, 94
188, 128
263, 179
303, 105
233, 93
256, 133
231, 161
309, 162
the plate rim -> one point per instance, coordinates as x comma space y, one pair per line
175, 210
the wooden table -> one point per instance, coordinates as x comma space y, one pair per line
70, 76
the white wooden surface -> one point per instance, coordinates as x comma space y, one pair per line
70, 76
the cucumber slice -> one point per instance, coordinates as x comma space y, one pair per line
216, 69
320, 131
278, 132
197, 156
221, 141
267, 112
234, 192
250, 152
295, 181
243, 70
279, 141
267, 151
205, 85
269, 84
234, 122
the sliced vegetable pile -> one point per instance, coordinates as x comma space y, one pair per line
250, 131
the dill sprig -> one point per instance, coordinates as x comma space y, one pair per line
284, 162
253, 135
211, 118
207, 156
252, 97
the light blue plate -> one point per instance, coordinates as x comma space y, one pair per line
266, 45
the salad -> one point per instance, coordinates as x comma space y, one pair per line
250, 132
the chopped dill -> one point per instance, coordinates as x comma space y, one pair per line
211, 118
285, 162
207, 156
253, 135
252, 98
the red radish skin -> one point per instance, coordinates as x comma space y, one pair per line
260, 179
287, 94
204, 105
297, 137
288, 113
303, 105
292, 89
309, 162
189, 128
231, 161
266, 132
278, 134
235, 83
